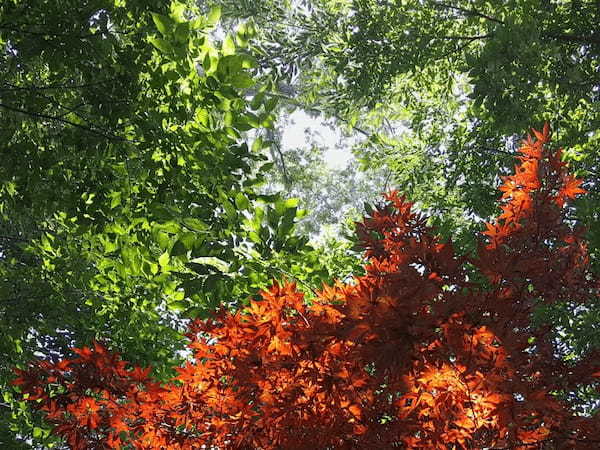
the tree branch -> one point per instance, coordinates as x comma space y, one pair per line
468, 12
14, 87
294, 102
468, 38
469, 41
56, 34
592, 40
89, 129
286, 176
12, 238
495, 150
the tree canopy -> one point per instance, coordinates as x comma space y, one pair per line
441, 93
129, 183
143, 187
415, 353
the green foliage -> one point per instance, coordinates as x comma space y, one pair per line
128, 197
439, 91
480, 70
329, 195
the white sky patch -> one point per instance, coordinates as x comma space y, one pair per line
296, 135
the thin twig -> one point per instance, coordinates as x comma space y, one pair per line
14, 87
468, 12
12, 238
314, 109
38, 115
592, 40
56, 34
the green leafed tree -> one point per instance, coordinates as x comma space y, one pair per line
129, 197
440, 91
467, 75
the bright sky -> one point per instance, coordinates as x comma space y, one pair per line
294, 136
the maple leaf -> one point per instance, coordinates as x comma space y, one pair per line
497, 233
84, 352
140, 375
355, 410
542, 137
119, 425
531, 148
570, 187
280, 346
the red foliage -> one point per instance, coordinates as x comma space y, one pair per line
414, 354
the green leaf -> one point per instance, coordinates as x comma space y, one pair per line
212, 261
115, 199
243, 126
248, 61
195, 224
291, 203
228, 46
178, 249
188, 239
242, 81
164, 24
282, 205
163, 239
257, 101
202, 116
178, 11
241, 201
182, 32
287, 222
271, 104
161, 44
230, 210
258, 145
214, 15
178, 306
163, 260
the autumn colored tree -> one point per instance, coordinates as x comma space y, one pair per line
428, 350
